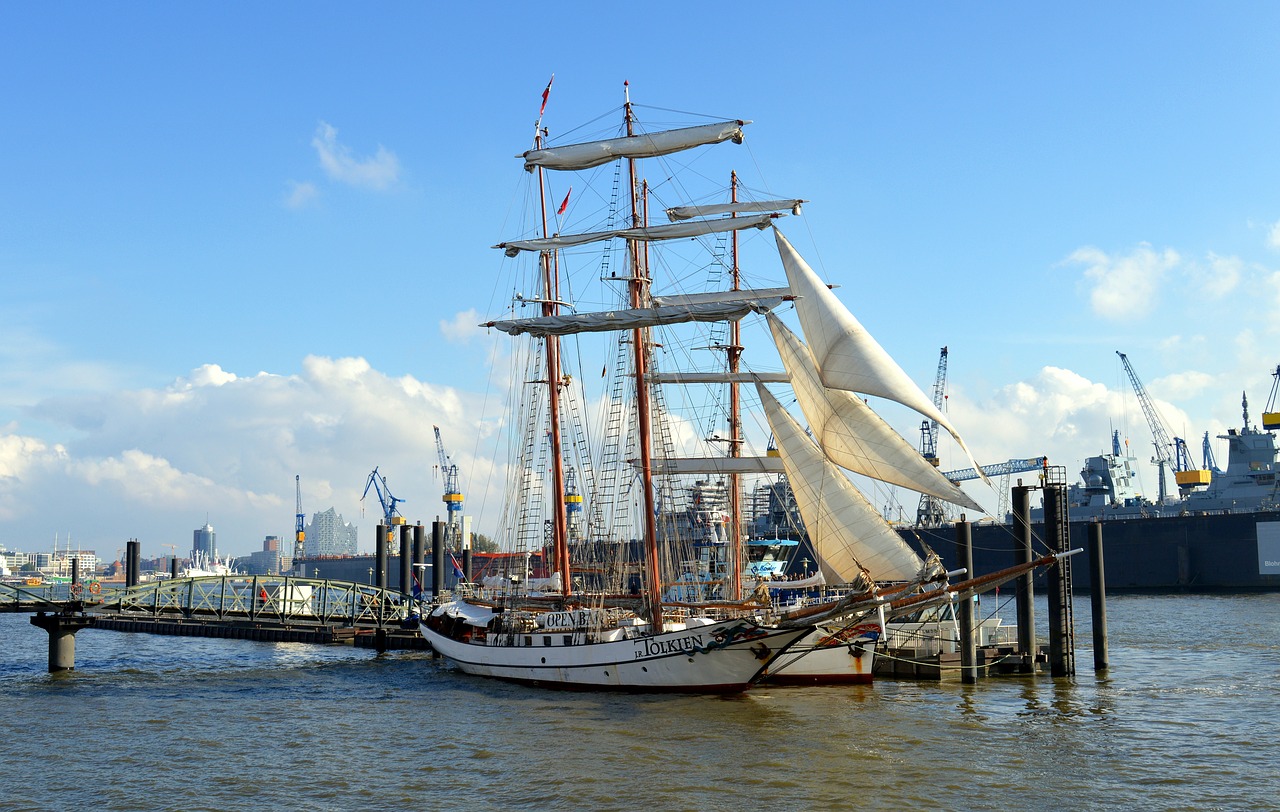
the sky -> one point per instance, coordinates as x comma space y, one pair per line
244, 242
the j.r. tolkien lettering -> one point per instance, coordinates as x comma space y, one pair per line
657, 648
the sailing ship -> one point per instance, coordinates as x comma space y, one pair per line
613, 632
610, 613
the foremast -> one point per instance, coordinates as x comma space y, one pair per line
555, 379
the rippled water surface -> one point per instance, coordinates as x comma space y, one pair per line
1187, 717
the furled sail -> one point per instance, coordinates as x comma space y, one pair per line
851, 434
848, 357
644, 145
716, 209
636, 318
671, 231
848, 534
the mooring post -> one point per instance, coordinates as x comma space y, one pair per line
968, 641
1026, 607
419, 555
1062, 638
1098, 596
132, 566
173, 566
437, 558
380, 558
62, 637
406, 554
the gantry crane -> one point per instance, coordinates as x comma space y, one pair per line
299, 527
452, 494
931, 511
391, 514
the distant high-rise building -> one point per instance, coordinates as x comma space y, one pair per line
328, 534
203, 544
271, 543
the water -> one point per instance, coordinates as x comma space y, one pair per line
1186, 718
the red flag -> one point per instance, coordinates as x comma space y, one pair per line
565, 204
545, 94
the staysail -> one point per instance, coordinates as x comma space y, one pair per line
847, 356
847, 532
851, 434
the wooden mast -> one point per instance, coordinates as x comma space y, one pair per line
638, 286
550, 307
735, 423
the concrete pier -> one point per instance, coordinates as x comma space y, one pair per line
62, 637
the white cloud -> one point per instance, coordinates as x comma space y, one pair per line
1125, 286
378, 172
300, 194
1273, 236
1219, 278
462, 328
153, 463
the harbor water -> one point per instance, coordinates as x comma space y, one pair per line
1187, 717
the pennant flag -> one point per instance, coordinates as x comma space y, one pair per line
565, 204
417, 588
457, 569
545, 94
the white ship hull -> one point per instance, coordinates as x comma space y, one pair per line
827, 656
721, 657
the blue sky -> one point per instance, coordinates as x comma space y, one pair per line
237, 241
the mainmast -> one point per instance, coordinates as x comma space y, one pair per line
638, 286
735, 421
550, 307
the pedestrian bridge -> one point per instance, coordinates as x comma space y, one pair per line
268, 608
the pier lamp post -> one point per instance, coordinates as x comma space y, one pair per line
804, 562
317, 572
371, 575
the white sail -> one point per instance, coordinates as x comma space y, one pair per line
644, 145
671, 231
715, 209
848, 357
632, 319
848, 534
851, 434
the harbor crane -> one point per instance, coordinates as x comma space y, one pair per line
931, 512
391, 514
299, 528
452, 494
1270, 417
1186, 476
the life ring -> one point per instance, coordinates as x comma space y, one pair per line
95, 587
76, 589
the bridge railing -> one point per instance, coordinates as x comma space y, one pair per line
279, 599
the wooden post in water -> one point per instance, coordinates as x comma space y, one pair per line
968, 641
1025, 583
406, 553
437, 558
1098, 597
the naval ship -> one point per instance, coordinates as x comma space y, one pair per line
1221, 532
